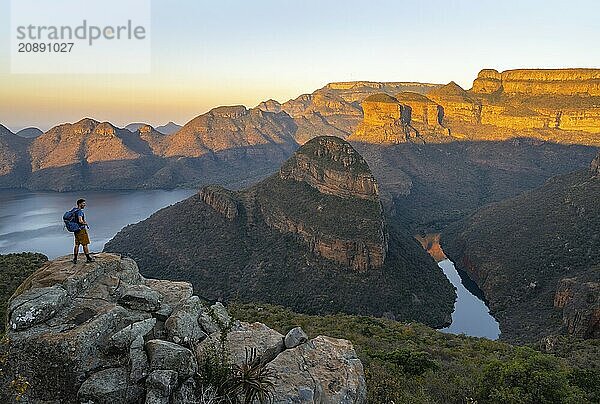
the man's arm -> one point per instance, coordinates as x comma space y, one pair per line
80, 218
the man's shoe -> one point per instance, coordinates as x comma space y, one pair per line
90, 260
74, 260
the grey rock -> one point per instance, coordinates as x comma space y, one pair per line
324, 370
215, 318
183, 325
220, 313
173, 293
123, 338
35, 306
165, 355
140, 297
186, 393
107, 386
296, 336
243, 339
138, 360
160, 385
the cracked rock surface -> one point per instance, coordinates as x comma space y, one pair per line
102, 333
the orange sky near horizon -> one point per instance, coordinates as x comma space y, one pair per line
205, 54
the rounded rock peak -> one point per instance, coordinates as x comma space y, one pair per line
334, 152
406, 96
230, 111
489, 74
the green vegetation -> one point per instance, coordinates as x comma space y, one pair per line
14, 269
301, 203
250, 262
526, 245
450, 181
247, 259
411, 363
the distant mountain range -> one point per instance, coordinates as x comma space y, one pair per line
537, 257
411, 134
29, 132
167, 129
313, 237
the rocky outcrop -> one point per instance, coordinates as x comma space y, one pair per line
332, 166
408, 117
456, 103
382, 122
418, 109
73, 337
568, 82
220, 200
579, 300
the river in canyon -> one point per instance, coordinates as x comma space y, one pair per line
471, 316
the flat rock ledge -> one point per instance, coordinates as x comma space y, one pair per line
102, 333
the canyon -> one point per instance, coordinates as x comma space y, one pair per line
314, 237
536, 257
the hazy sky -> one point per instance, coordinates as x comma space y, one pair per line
223, 52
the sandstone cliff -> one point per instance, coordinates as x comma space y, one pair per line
409, 117
332, 167
542, 99
570, 82
313, 237
102, 333
579, 300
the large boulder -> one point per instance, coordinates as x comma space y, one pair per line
324, 370
102, 333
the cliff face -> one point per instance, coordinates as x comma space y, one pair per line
103, 333
565, 99
332, 167
456, 103
568, 82
410, 118
221, 200
312, 237
536, 257
579, 300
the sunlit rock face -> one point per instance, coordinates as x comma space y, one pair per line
568, 82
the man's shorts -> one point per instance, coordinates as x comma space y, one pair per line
81, 237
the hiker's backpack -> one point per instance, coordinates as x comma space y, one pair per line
71, 220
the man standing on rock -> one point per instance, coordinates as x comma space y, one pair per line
81, 235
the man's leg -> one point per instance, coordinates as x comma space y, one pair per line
86, 250
75, 253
